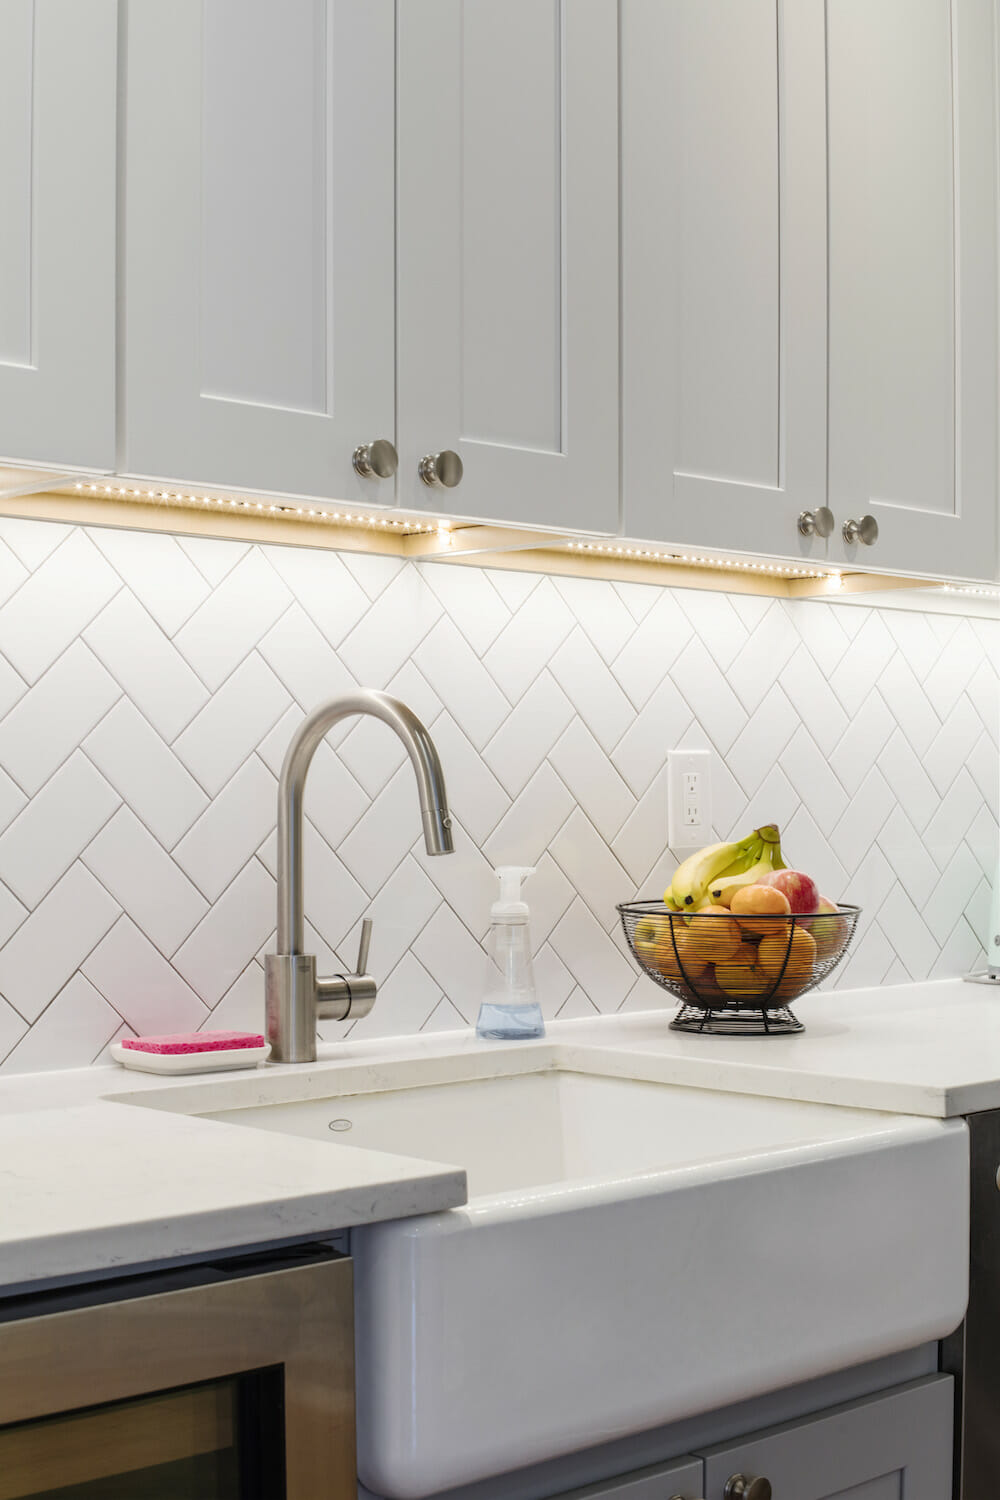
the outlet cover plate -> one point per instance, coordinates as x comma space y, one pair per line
689, 793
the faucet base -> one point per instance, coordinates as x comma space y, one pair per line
290, 1006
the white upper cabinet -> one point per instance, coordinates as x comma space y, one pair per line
508, 257
724, 272
810, 278
913, 280
58, 82
259, 261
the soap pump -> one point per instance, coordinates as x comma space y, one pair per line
510, 1008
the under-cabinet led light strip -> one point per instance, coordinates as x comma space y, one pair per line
643, 554
261, 507
970, 588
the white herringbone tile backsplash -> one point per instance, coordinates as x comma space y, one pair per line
149, 686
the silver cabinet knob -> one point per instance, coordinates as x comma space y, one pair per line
442, 471
816, 522
743, 1487
378, 460
864, 531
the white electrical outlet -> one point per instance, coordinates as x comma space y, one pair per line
689, 792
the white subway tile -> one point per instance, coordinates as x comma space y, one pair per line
227, 730
32, 541
474, 794
228, 832
534, 819
50, 609
454, 959
217, 951
528, 734
383, 639
50, 945
69, 1033
129, 753
143, 988
592, 689
592, 779
158, 572
526, 644
591, 868
471, 601
142, 877
462, 682
643, 662
715, 705
234, 617
44, 840
304, 661
323, 586
48, 723
385, 833
598, 607
214, 557
399, 912
147, 665
464, 878
592, 958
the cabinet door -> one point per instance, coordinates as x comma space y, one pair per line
259, 258
508, 256
876, 1449
58, 82
724, 272
913, 280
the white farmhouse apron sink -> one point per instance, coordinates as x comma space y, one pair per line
632, 1253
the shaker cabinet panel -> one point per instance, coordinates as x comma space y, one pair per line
724, 271
508, 257
58, 81
913, 279
259, 263
879, 1448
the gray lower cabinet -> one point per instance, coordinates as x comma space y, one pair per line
893, 1444
897, 1443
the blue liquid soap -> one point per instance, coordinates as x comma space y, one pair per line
510, 1010
507, 1023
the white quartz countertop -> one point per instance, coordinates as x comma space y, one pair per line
102, 1169
91, 1189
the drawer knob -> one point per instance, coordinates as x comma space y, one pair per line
864, 531
378, 460
743, 1487
442, 471
816, 522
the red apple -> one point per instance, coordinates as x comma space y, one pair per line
829, 931
801, 890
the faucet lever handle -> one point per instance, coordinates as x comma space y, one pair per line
366, 942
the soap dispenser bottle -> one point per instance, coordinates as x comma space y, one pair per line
510, 1008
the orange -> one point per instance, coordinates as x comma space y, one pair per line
797, 956
763, 901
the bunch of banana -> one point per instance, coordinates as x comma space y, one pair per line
714, 875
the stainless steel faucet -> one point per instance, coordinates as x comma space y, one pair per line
294, 998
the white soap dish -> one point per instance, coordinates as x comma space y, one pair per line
192, 1053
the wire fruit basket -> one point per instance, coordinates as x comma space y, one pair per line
734, 975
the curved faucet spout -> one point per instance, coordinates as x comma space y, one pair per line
291, 790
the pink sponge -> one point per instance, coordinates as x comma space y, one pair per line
194, 1041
